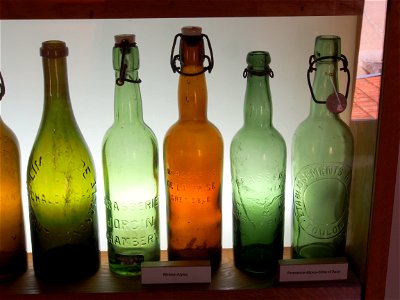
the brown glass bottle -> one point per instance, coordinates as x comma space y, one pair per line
193, 157
12, 233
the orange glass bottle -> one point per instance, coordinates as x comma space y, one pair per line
12, 233
193, 158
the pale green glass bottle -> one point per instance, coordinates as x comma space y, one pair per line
61, 182
322, 158
130, 167
258, 170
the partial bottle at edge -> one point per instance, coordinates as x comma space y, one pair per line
12, 233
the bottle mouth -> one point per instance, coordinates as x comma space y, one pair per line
326, 46
258, 59
191, 30
130, 38
54, 49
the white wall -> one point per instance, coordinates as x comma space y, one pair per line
290, 42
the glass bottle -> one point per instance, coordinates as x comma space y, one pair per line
130, 166
258, 170
12, 233
322, 158
193, 158
61, 182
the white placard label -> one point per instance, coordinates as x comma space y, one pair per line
292, 270
162, 272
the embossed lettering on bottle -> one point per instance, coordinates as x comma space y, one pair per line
327, 184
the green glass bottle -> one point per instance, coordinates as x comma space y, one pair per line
193, 158
130, 167
258, 163
61, 182
322, 158
12, 233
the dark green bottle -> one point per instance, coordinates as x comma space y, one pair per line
258, 163
61, 182
322, 158
130, 167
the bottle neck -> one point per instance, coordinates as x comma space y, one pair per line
192, 96
128, 100
56, 92
325, 83
192, 90
257, 105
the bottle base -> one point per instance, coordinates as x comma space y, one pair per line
125, 271
317, 250
12, 265
66, 263
211, 254
258, 260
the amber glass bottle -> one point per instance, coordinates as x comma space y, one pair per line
193, 157
12, 233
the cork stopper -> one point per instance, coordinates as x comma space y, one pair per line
54, 49
191, 30
130, 38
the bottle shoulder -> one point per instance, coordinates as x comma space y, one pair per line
258, 135
125, 134
61, 145
7, 136
193, 129
316, 127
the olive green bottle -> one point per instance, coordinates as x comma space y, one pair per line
61, 182
130, 167
322, 158
12, 233
258, 163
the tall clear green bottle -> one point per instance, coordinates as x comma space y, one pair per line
61, 182
130, 167
322, 158
12, 233
258, 170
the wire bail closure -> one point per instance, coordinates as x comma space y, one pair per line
173, 58
313, 61
265, 72
2, 87
124, 45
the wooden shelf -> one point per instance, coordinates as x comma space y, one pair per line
106, 9
227, 282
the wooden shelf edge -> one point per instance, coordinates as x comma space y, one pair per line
227, 282
121, 9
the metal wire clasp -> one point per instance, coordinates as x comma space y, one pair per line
2, 87
174, 58
124, 45
265, 72
313, 61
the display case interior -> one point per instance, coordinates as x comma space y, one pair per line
286, 29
